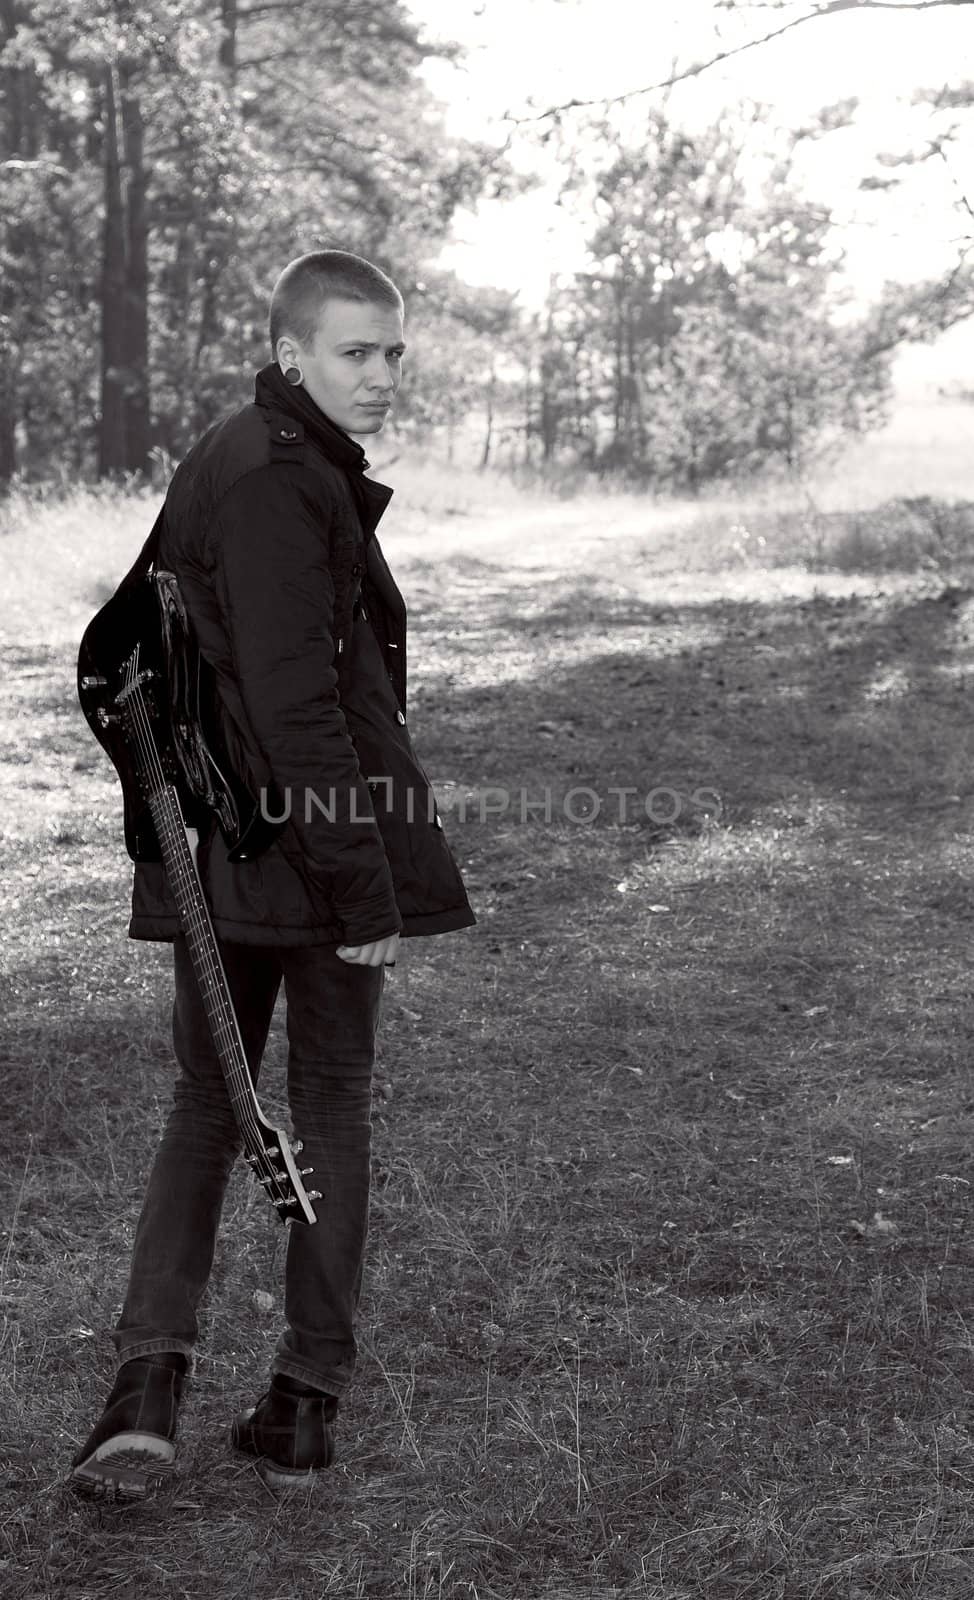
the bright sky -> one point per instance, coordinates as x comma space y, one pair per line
554, 50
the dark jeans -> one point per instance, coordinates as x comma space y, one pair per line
332, 1017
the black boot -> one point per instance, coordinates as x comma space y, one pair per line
291, 1430
134, 1440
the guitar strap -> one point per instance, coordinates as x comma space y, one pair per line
146, 555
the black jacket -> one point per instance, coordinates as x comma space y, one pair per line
269, 528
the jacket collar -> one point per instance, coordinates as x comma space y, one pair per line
272, 390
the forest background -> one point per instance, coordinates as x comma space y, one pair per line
161, 159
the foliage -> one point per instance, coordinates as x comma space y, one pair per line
239, 136
162, 159
704, 338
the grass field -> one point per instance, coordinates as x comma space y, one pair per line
670, 1289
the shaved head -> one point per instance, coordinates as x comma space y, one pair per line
309, 282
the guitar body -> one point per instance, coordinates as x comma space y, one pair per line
150, 614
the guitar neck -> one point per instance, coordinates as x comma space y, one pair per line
182, 872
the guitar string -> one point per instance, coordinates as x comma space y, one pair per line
213, 973
209, 973
199, 919
207, 970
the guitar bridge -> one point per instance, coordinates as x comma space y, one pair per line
136, 682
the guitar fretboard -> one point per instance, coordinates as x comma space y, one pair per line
194, 913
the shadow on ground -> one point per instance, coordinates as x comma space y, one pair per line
687, 1112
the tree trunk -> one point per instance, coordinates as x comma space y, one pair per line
8, 418
9, 145
489, 434
618, 449
228, 43
208, 328
112, 454
22, 133
636, 422
136, 324
550, 375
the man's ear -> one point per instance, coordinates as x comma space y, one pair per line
287, 353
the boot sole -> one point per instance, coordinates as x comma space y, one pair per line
123, 1467
273, 1473
286, 1478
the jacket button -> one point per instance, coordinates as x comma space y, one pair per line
399, 717
288, 435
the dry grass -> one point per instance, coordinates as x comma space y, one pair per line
670, 1281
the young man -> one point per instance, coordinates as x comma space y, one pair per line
269, 527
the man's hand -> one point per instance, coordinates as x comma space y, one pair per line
375, 954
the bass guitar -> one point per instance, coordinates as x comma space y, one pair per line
141, 687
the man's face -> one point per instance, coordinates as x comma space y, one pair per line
353, 367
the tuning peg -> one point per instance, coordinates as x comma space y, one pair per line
314, 1194
297, 1146
306, 1170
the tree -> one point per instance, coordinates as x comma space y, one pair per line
197, 145
705, 319
918, 312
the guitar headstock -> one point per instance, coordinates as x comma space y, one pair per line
272, 1157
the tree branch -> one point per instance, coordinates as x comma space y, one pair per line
696, 68
913, 323
272, 5
964, 200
